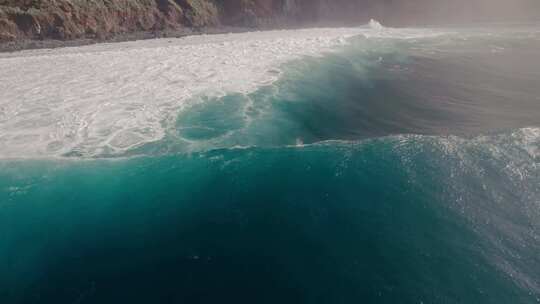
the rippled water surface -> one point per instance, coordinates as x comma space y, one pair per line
367, 165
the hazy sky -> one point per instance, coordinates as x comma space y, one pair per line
428, 11
461, 10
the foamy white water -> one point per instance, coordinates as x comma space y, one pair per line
108, 98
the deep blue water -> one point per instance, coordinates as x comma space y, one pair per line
392, 171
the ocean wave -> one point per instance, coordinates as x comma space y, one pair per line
393, 208
387, 170
111, 98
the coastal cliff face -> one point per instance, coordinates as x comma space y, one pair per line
101, 19
71, 19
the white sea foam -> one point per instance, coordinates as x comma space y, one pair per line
109, 98
376, 25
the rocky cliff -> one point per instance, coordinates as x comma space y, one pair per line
70, 19
101, 19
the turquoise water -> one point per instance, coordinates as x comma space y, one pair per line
392, 171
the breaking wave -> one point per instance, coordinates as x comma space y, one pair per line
414, 218
333, 165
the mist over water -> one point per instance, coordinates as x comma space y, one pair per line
399, 166
462, 12
429, 12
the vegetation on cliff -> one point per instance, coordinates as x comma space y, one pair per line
70, 19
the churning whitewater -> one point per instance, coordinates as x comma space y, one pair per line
343, 165
107, 99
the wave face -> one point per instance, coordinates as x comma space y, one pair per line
401, 167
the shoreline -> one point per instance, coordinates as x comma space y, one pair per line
33, 44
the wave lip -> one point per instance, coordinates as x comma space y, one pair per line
453, 209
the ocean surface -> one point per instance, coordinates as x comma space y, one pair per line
358, 165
